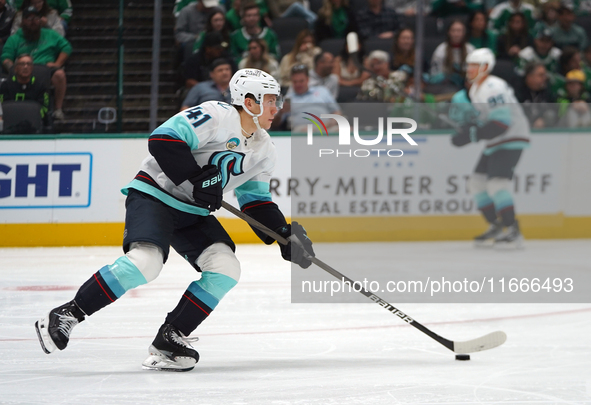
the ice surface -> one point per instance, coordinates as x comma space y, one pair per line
259, 348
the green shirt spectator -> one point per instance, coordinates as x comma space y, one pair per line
240, 38
45, 50
500, 14
251, 29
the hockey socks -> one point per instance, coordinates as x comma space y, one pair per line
486, 206
504, 204
108, 284
95, 294
199, 300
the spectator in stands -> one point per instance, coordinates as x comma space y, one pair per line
548, 17
335, 20
301, 94
384, 85
448, 60
349, 72
403, 49
259, 58
217, 88
251, 29
22, 86
49, 17
445, 8
322, 74
574, 105
197, 66
233, 16
515, 38
6, 18
499, 15
192, 20
566, 33
294, 9
47, 48
535, 97
569, 60
376, 21
478, 33
216, 21
542, 51
303, 52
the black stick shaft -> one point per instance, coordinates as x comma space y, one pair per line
280, 239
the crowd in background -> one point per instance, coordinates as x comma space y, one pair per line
542, 50
33, 51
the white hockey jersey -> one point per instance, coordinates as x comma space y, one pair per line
214, 134
495, 101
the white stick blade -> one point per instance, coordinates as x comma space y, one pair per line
485, 342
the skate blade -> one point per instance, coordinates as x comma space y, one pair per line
159, 362
484, 244
516, 244
44, 339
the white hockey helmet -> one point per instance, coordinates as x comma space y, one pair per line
257, 83
482, 56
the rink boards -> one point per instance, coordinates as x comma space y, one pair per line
64, 191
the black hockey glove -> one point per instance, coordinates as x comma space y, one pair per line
208, 191
465, 135
299, 248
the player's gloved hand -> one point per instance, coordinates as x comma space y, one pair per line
207, 190
299, 249
464, 135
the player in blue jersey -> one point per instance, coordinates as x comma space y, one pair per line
489, 111
194, 158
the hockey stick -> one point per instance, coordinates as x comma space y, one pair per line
485, 342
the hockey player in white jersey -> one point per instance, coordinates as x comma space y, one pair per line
496, 117
195, 156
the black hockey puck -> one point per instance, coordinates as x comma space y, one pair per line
462, 357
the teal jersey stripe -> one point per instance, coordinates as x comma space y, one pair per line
515, 145
203, 295
178, 127
127, 273
112, 281
482, 199
165, 198
502, 199
215, 284
252, 191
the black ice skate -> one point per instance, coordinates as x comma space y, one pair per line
171, 351
510, 238
54, 330
487, 239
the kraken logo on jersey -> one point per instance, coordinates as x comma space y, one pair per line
232, 143
229, 163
